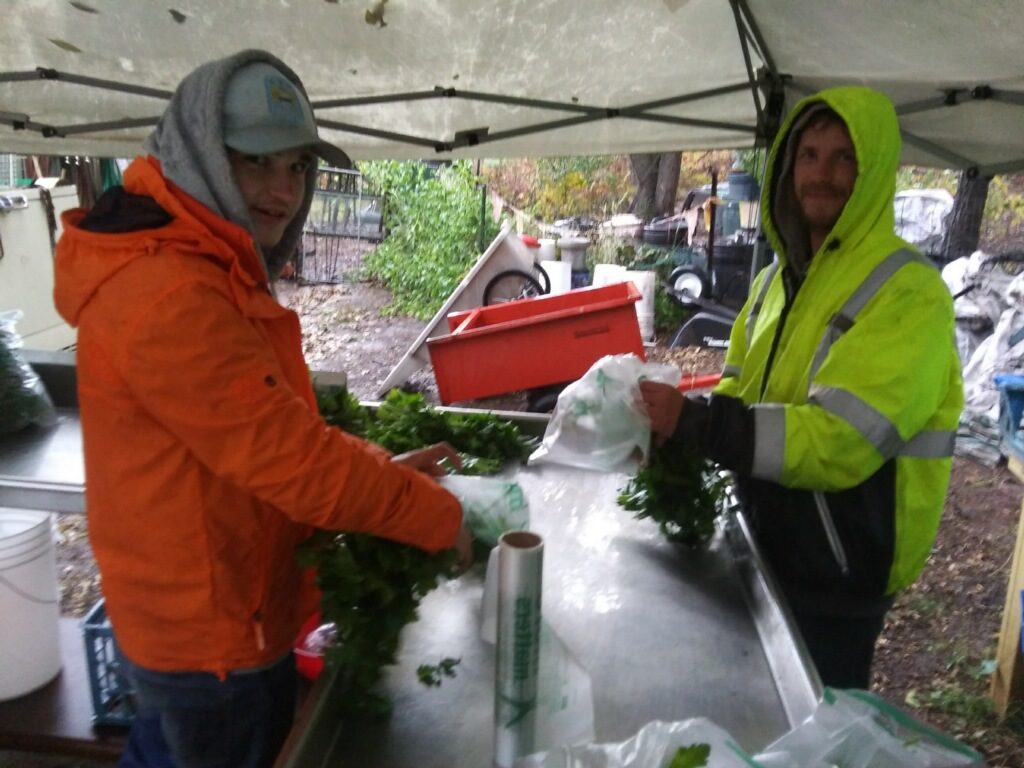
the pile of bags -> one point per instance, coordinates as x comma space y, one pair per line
989, 309
848, 729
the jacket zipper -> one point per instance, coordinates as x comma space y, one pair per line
819, 498
831, 533
261, 581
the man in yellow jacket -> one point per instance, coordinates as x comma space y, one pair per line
206, 460
841, 391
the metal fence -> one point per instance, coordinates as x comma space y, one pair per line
345, 207
12, 168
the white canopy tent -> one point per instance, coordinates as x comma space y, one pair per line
465, 78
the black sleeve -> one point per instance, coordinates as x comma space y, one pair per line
721, 428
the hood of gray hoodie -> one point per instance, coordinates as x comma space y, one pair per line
189, 142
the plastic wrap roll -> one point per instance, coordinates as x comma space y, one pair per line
517, 654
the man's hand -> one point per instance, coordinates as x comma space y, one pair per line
434, 460
664, 403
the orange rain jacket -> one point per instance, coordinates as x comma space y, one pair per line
206, 461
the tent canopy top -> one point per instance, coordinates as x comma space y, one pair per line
460, 78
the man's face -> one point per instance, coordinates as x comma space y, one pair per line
272, 188
824, 172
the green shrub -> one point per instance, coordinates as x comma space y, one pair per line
434, 221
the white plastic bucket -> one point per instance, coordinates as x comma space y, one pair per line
646, 323
607, 274
29, 603
560, 274
645, 282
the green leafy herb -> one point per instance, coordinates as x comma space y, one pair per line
371, 588
340, 408
431, 675
693, 756
405, 422
680, 491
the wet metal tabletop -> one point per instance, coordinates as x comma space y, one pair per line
663, 632
42, 468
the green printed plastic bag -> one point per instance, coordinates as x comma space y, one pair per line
599, 421
854, 729
490, 506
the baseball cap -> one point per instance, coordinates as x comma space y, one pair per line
265, 112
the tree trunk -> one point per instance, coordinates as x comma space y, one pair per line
668, 182
656, 176
964, 227
643, 171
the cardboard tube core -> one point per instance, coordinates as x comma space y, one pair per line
521, 539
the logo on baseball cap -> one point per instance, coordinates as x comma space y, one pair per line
265, 112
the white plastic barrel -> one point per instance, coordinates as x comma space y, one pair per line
29, 602
607, 274
645, 282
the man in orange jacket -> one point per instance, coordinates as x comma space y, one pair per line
206, 461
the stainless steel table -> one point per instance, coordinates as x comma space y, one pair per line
664, 633
43, 468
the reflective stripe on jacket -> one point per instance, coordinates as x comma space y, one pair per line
854, 411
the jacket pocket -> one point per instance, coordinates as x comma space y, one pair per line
792, 535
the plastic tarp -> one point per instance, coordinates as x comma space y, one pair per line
989, 308
921, 217
440, 78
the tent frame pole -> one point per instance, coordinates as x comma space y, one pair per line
586, 114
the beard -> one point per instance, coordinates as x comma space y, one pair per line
821, 205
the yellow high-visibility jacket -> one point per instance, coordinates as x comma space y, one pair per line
841, 391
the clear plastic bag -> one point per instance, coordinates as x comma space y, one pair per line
23, 398
599, 421
854, 729
654, 746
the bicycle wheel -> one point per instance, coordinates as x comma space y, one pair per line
511, 285
545, 281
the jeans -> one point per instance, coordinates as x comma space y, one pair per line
239, 722
146, 747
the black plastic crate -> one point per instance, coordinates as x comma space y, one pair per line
113, 700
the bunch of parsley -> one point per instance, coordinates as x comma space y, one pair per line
371, 588
405, 422
681, 491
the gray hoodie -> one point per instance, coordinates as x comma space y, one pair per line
189, 142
